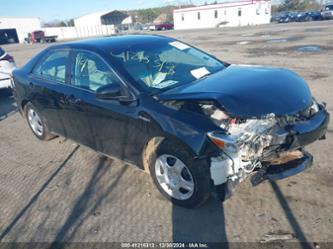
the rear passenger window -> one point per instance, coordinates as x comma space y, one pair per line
53, 66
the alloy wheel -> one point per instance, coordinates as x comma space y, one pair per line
174, 177
35, 122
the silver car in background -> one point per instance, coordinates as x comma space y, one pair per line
327, 12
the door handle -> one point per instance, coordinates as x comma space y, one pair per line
72, 100
69, 99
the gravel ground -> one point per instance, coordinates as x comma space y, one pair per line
60, 191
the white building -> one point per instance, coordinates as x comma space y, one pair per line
227, 14
91, 19
97, 24
15, 29
103, 18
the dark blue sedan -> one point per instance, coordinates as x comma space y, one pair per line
197, 124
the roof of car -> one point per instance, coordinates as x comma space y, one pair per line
113, 42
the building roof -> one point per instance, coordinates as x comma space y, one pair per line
225, 4
99, 14
93, 15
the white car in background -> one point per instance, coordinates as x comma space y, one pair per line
152, 27
7, 65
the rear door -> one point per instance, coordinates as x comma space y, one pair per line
46, 85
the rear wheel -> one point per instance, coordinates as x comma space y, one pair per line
309, 19
36, 123
180, 178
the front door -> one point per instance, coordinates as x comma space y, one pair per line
106, 120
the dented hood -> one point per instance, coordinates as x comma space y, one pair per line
248, 91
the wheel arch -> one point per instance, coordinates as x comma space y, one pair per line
153, 144
23, 105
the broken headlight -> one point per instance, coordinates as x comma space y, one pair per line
300, 116
173, 104
313, 109
218, 116
207, 108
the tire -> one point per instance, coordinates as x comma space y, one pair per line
308, 19
194, 173
36, 123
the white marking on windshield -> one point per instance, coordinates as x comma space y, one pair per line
199, 72
179, 45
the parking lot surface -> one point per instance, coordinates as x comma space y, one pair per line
61, 191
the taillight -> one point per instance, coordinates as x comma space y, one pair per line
7, 57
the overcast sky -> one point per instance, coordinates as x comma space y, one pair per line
66, 9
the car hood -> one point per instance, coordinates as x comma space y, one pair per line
248, 91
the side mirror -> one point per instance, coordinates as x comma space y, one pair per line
112, 91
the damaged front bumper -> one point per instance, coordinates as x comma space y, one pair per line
298, 135
280, 171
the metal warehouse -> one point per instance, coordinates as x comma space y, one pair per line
103, 18
15, 29
228, 14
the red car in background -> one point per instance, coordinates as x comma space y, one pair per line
164, 26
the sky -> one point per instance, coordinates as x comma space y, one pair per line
48, 10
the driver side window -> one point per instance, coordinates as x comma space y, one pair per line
90, 72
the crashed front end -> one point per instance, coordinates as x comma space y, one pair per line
267, 148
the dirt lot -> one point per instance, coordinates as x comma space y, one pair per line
60, 191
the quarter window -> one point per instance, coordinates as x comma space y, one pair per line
216, 14
198, 15
239, 12
91, 72
53, 67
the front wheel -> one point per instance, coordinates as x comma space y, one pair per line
178, 176
36, 124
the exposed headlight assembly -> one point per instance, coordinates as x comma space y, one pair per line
207, 108
222, 141
218, 116
173, 104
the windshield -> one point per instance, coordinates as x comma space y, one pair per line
329, 7
167, 64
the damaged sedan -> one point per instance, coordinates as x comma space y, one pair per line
197, 124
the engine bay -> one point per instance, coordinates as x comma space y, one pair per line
255, 144
250, 144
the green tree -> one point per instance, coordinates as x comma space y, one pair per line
297, 5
